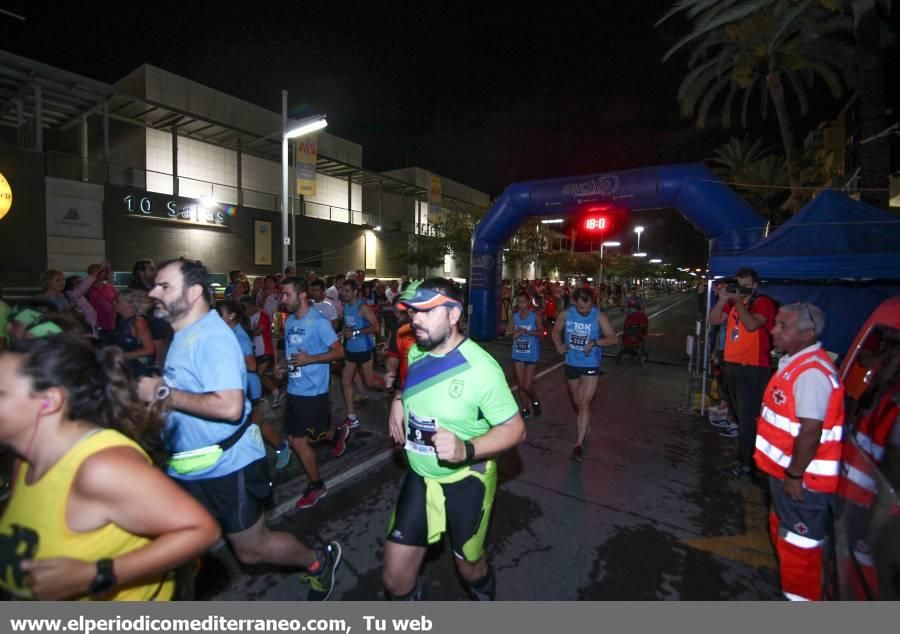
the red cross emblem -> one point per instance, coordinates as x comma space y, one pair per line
800, 528
779, 396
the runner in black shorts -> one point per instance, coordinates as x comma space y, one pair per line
578, 334
464, 501
308, 416
359, 358
216, 453
310, 346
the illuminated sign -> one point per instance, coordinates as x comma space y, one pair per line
5, 196
595, 223
180, 210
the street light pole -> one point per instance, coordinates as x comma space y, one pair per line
304, 126
285, 239
606, 244
638, 230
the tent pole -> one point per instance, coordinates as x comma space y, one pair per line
705, 348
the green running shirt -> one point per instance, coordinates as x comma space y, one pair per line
464, 391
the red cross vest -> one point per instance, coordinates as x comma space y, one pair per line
778, 424
874, 427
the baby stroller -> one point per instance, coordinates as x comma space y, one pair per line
634, 332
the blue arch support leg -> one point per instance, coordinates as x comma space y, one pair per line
708, 203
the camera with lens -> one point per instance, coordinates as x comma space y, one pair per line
732, 287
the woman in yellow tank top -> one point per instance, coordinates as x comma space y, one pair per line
90, 516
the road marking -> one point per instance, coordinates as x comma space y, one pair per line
753, 547
336, 481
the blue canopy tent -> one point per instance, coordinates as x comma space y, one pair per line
837, 253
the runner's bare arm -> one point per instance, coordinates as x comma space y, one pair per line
185, 530
609, 337
556, 334
223, 405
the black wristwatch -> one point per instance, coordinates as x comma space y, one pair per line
470, 451
105, 579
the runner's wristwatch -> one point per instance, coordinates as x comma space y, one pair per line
470, 450
105, 579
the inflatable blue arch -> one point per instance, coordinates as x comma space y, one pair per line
713, 208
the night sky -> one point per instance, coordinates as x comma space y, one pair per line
485, 93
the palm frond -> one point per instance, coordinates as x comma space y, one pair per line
799, 91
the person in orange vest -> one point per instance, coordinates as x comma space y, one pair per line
748, 318
798, 444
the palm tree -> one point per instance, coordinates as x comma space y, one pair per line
730, 161
870, 36
874, 151
777, 47
756, 173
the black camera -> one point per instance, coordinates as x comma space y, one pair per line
732, 288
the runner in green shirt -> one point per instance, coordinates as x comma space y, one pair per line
454, 415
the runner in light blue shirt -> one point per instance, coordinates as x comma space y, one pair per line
218, 456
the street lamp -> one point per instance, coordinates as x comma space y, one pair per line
639, 230
304, 126
611, 243
656, 261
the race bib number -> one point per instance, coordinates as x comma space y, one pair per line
420, 438
577, 340
294, 371
523, 345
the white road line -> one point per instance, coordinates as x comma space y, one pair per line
336, 481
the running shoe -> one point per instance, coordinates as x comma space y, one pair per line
721, 422
276, 400
282, 455
536, 409
321, 584
718, 411
351, 423
577, 454
731, 432
311, 496
340, 440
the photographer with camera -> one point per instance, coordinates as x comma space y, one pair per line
748, 319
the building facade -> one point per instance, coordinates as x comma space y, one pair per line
159, 166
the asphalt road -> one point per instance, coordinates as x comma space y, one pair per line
647, 516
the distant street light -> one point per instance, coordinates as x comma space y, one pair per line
656, 261
639, 230
610, 244
639, 254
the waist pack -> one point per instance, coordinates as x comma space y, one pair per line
193, 460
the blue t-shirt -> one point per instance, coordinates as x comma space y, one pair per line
205, 357
254, 386
354, 320
314, 335
579, 330
526, 347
